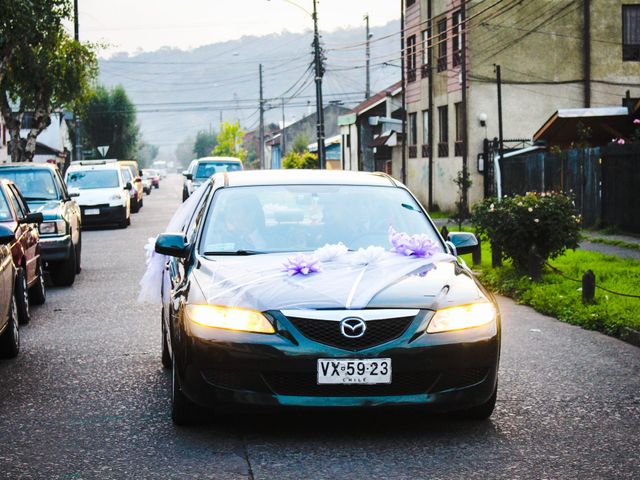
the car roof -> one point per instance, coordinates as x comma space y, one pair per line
31, 165
219, 159
309, 177
96, 166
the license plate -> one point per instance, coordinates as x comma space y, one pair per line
92, 211
369, 371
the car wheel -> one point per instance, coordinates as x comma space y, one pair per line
38, 293
156, 186
22, 297
166, 357
140, 203
135, 206
10, 339
185, 195
183, 410
63, 274
79, 255
482, 411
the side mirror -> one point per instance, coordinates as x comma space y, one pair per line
188, 176
464, 242
74, 192
6, 235
128, 186
173, 245
33, 217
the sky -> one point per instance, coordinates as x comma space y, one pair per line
147, 25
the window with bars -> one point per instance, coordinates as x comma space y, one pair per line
411, 58
456, 39
442, 45
425, 127
425, 53
413, 128
410, 3
459, 145
631, 33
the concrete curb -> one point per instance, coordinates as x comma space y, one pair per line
630, 335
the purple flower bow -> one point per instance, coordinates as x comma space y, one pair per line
419, 245
301, 265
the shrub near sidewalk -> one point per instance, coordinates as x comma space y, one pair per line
547, 222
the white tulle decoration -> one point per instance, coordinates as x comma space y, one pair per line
331, 252
151, 282
368, 256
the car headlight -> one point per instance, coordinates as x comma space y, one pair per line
115, 198
462, 317
229, 318
56, 226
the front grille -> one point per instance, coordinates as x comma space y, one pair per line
328, 332
235, 380
100, 205
460, 378
305, 384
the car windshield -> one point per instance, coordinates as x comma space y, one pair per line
286, 218
34, 184
126, 173
93, 179
206, 169
5, 213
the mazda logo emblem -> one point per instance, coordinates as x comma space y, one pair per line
353, 327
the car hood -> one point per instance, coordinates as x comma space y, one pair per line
50, 209
445, 283
97, 196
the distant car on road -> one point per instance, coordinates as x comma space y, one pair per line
17, 219
135, 196
201, 169
322, 289
152, 175
43, 188
136, 181
103, 194
161, 167
9, 329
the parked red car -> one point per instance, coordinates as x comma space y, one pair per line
25, 249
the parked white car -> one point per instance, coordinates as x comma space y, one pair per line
201, 169
103, 193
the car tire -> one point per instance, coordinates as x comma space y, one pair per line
79, 255
166, 356
38, 293
22, 297
140, 203
482, 411
183, 410
135, 206
185, 195
10, 339
156, 186
63, 274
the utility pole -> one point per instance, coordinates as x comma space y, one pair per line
586, 52
500, 133
283, 144
430, 140
76, 117
263, 165
319, 71
465, 114
403, 173
367, 90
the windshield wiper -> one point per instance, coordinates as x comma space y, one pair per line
38, 199
239, 253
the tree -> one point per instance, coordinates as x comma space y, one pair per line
146, 154
300, 143
306, 160
109, 118
230, 141
184, 151
204, 144
52, 73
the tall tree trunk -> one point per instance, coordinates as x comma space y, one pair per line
13, 121
41, 120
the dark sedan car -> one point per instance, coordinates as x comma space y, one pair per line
9, 330
322, 289
25, 247
44, 190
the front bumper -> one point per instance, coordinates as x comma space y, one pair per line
107, 215
56, 248
443, 372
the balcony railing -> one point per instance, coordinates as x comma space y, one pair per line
413, 151
443, 149
426, 151
459, 148
411, 75
442, 64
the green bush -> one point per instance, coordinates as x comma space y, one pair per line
300, 160
547, 221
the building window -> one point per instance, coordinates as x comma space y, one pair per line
442, 45
459, 145
413, 128
411, 58
425, 127
631, 33
425, 53
443, 131
457, 38
410, 3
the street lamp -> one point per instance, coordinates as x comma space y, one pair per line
319, 72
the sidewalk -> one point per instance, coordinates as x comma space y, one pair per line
623, 246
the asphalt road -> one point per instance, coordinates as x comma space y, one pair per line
87, 398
